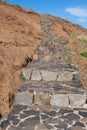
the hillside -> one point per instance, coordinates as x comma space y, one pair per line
20, 36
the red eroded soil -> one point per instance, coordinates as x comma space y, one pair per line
20, 35
71, 32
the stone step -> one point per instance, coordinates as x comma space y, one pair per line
33, 118
60, 94
49, 71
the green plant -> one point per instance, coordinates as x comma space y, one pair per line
75, 67
75, 43
68, 54
17, 7
74, 35
84, 53
23, 77
83, 38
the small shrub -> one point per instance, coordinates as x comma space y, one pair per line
23, 77
74, 35
75, 43
68, 55
83, 38
84, 54
75, 67
17, 7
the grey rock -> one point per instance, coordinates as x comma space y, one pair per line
59, 100
72, 116
41, 98
65, 76
30, 121
16, 121
84, 114
77, 100
4, 124
49, 75
14, 128
19, 128
64, 111
36, 75
41, 127
85, 106
50, 113
26, 73
31, 112
17, 108
61, 125
48, 126
24, 98
12, 117
44, 116
79, 124
77, 76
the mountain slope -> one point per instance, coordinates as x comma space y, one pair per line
20, 36
77, 43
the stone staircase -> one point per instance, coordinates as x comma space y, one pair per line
53, 47
52, 97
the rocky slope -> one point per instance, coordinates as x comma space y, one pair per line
20, 36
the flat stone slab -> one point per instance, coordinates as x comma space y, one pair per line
36, 75
24, 98
27, 118
41, 98
59, 100
65, 76
77, 100
49, 75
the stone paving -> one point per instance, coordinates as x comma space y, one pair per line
52, 97
25, 118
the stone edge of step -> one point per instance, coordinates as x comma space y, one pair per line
59, 100
47, 75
